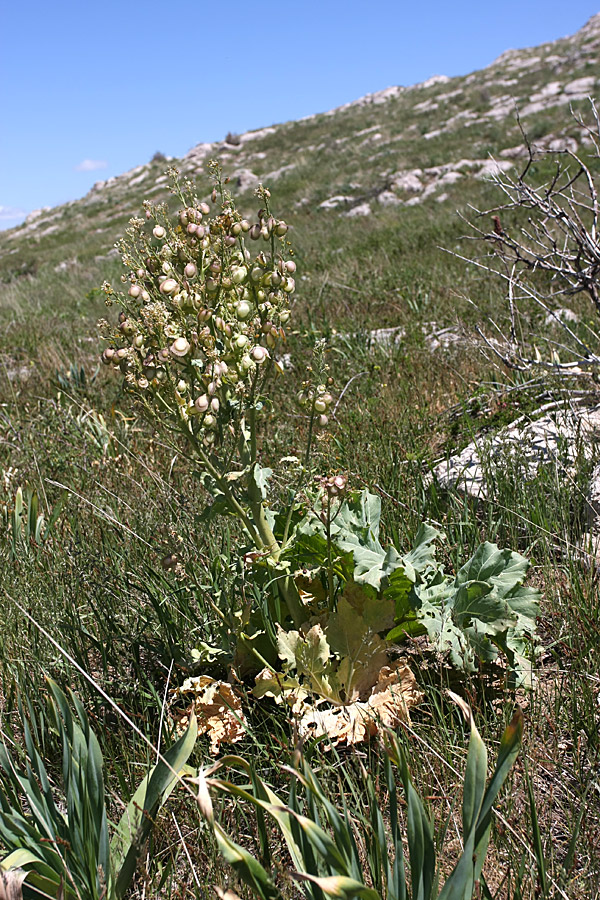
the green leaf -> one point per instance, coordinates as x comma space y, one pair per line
246, 866
422, 555
137, 821
261, 479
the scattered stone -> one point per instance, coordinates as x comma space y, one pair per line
563, 314
277, 173
109, 255
408, 181
336, 201
245, 179
555, 438
65, 265
363, 209
388, 198
580, 86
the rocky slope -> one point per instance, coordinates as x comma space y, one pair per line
403, 146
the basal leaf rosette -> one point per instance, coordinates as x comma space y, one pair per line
204, 308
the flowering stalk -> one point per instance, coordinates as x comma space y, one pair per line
201, 319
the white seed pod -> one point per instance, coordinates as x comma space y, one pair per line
239, 274
290, 266
138, 342
180, 347
145, 296
163, 355
143, 382
204, 208
246, 363
259, 354
281, 229
211, 390
288, 285
108, 356
322, 421
168, 286
190, 270
121, 353
245, 225
192, 228
141, 273
135, 291
284, 316
209, 421
236, 229
214, 404
167, 267
202, 403
159, 232
211, 285
243, 310
340, 482
182, 386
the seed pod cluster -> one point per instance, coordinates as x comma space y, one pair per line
202, 309
334, 485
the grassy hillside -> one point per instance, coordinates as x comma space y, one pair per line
375, 194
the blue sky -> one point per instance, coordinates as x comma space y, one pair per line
90, 90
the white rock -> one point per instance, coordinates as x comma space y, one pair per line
245, 179
554, 439
560, 144
563, 314
277, 173
435, 79
256, 135
336, 201
388, 198
363, 209
580, 85
408, 181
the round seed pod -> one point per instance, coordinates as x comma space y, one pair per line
243, 310
108, 356
135, 291
281, 229
168, 286
180, 347
255, 232
259, 354
205, 208
190, 270
290, 266
202, 403
159, 232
